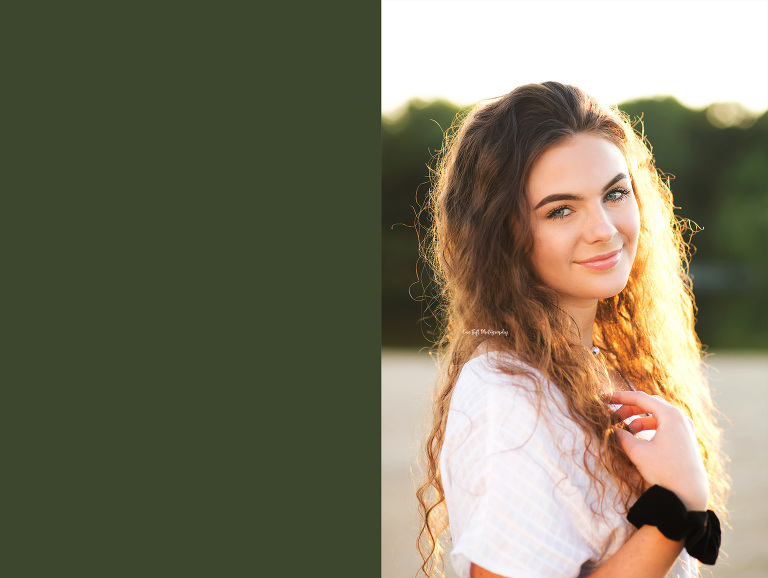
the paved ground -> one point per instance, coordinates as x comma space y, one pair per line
740, 389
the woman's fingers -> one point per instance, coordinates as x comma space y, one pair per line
642, 424
672, 458
627, 411
641, 402
629, 443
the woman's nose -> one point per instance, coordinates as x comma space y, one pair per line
599, 226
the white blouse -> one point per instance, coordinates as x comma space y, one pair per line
520, 503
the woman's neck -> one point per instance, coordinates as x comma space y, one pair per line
583, 314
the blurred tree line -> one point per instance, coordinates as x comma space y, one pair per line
717, 160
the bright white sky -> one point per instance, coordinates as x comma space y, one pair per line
465, 50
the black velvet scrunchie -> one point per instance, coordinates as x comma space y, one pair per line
662, 508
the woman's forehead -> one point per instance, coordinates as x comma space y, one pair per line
580, 164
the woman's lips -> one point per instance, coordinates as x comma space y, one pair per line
602, 262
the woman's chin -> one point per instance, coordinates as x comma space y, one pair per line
605, 291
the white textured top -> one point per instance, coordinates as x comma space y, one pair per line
520, 503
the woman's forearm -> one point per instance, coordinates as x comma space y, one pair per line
647, 554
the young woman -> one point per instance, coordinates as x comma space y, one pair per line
569, 328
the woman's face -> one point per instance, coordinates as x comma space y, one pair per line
584, 219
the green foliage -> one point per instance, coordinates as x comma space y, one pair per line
717, 160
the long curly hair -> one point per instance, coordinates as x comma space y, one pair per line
479, 247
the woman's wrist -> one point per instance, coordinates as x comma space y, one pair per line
664, 509
694, 502
696, 495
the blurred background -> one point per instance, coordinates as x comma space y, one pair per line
697, 76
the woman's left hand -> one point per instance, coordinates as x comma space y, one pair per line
672, 458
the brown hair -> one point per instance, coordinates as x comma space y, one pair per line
479, 246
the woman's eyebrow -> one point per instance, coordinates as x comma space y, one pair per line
614, 180
572, 197
557, 197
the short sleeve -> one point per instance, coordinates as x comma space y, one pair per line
514, 506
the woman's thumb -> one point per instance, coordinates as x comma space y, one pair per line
626, 440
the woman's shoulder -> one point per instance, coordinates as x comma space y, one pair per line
497, 389
496, 367
505, 408
491, 410
496, 381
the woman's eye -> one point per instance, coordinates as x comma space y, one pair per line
559, 213
618, 194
